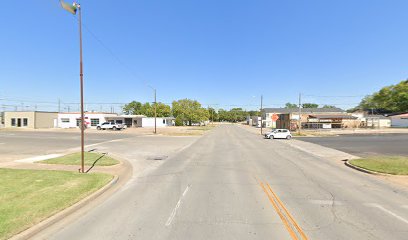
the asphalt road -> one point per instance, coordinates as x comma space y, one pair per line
217, 188
365, 145
16, 145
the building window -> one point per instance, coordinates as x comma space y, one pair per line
119, 121
25, 122
13, 122
94, 122
78, 121
164, 121
65, 120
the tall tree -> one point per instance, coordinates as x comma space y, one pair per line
189, 111
134, 108
392, 98
291, 105
213, 114
310, 105
328, 106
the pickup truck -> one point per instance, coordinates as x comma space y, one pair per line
110, 125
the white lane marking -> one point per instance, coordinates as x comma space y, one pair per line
173, 213
2, 143
38, 158
387, 211
325, 202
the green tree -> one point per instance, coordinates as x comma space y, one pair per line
189, 111
392, 98
310, 105
163, 110
213, 114
254, 113
291, 105
134, 108
328, 106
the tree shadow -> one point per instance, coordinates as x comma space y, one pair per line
96, 161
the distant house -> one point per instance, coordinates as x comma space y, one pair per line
399, 120
289, 117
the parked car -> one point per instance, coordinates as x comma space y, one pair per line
109, 125
278, 133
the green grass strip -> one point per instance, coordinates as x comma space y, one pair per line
90, 158
29, 196
397, 165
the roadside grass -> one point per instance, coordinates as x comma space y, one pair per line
29, 196
397, 165
91, 158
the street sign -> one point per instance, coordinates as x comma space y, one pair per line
275, 117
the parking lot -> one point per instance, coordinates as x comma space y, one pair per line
365, 144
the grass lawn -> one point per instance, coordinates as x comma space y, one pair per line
29, 196
397, 165
90, 158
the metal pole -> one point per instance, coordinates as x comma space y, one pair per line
261, 114
155, 112
300, 113
81, 75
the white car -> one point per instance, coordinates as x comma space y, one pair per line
279, 133
109, 125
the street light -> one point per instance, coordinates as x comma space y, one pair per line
73, 9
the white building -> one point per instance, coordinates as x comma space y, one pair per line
160, 122
92, 119
141, 121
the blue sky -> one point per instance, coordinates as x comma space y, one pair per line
218, 52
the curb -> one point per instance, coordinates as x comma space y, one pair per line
35, 229
365, 170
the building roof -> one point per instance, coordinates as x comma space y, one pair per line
130, 116
89, 113
331, 116
377, 116
28, 112
303, 110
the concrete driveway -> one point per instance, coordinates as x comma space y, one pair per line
365, 144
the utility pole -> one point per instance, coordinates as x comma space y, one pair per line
81, 75
300, 113
155, 112
261, 114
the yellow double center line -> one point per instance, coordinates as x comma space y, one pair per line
293, 228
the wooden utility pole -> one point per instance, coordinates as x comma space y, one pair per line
300, 113
261, 114
155, 112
